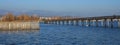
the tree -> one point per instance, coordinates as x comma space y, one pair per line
8, 17
24, 17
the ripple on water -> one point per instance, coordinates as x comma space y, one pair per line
62, 35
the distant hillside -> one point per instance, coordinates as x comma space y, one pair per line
37, 12
53, 13
48, 13
3, 12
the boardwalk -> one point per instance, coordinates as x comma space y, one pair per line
106, 21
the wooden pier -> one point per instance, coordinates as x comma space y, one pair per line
105, 21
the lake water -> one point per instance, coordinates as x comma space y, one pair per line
62, 35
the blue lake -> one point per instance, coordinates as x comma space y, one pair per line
62, 35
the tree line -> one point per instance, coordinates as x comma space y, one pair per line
23, 17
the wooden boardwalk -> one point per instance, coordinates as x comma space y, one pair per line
106, 21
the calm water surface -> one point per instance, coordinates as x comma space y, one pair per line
62, 35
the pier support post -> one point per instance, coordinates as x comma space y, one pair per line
55, 22
108, 22
77, 22
52, 22
111, 23
96, 23
63, 22
45, 22
48, 22
93, 22
59, 22
67, 22
104, 23
72, 22
82, 22
88, 22
119, 23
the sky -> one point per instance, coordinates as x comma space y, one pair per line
75, 7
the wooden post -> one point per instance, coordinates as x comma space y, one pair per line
45, 22
119, 23
72, 22
93, 22
63, 22
77, 22
55, 22
96, 23
58, 22
108, 22
82, 22
104, 23
88, 23
48, 22
67, 22
111, 23
52, 22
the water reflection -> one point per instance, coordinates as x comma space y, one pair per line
16, 31
19, 37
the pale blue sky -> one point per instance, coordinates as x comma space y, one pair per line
82, 7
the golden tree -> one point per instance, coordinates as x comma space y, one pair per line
34, 18
8, 17
23, 17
